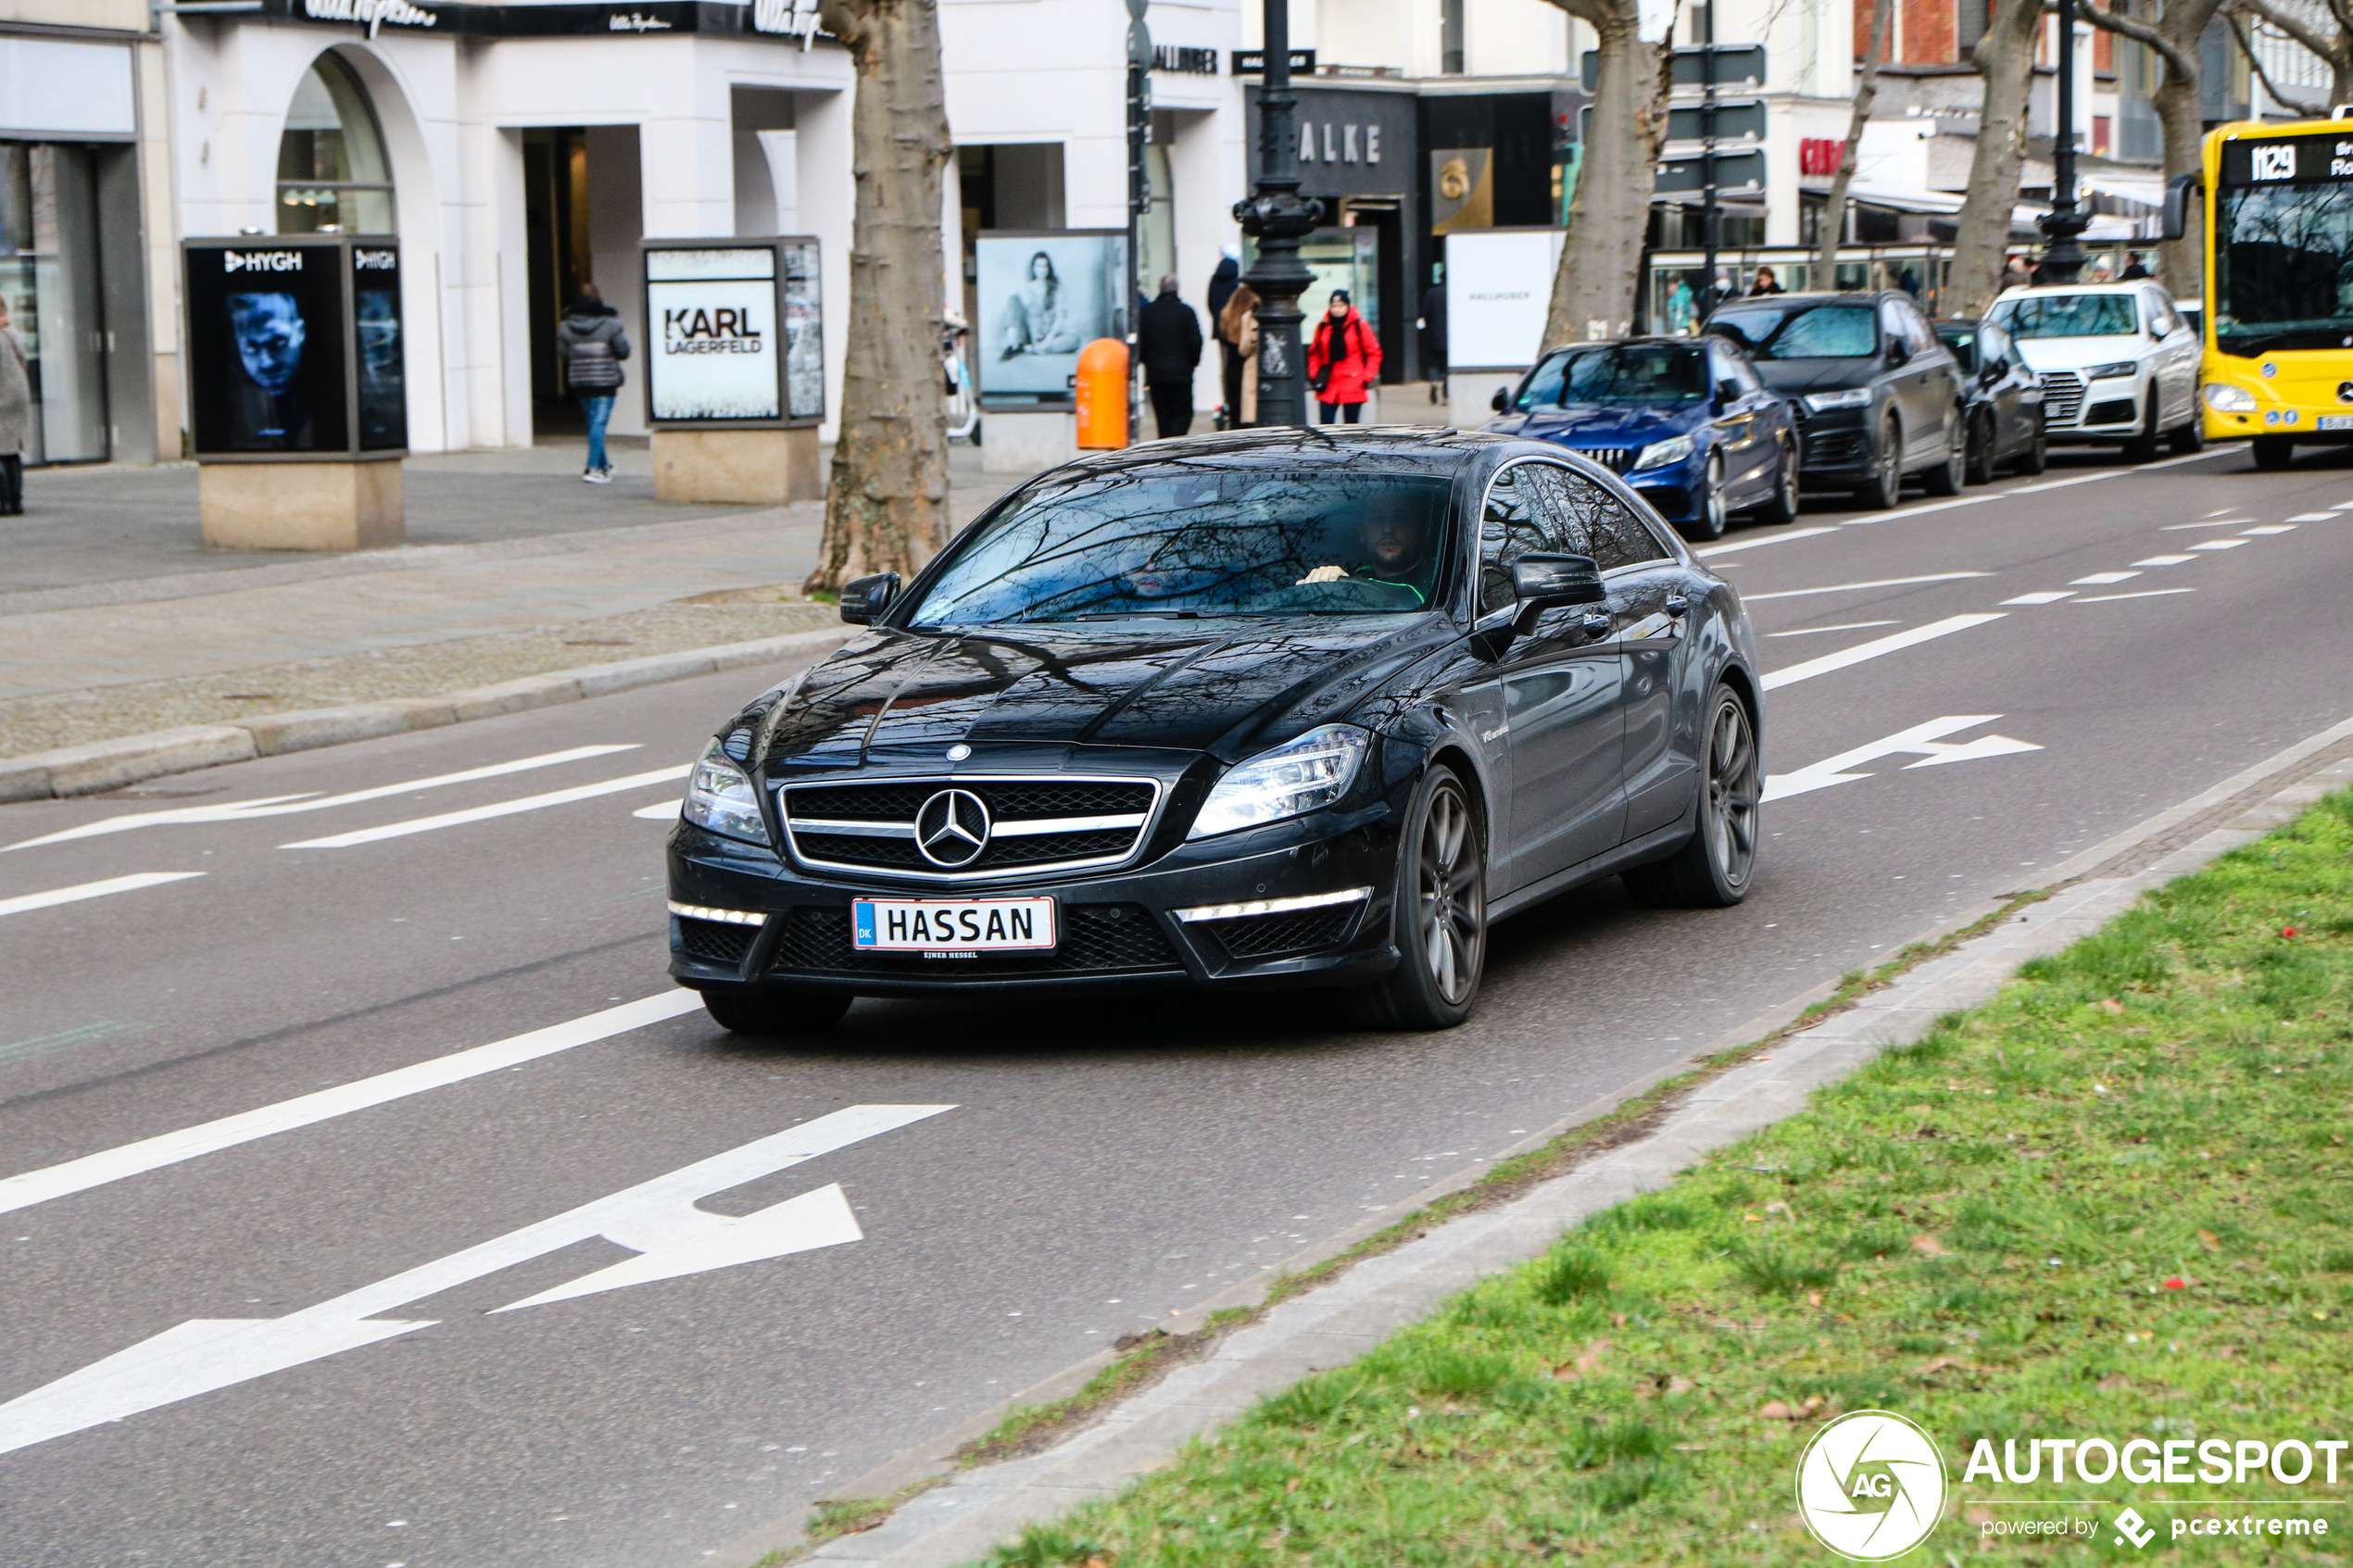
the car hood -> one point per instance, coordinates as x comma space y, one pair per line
1604, 427
2077, 352
1792, 377
1230, 691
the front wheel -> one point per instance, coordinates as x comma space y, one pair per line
1707, 517
774, 1014
2037, 455
1440, 914
1781, 506
2272, 451
1886, 485
1712, 869
2142, 448
2189, 438
1947, 477
1980, 469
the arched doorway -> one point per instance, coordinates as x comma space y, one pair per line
332, 175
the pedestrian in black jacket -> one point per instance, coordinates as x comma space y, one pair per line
1222, 285
1168, 339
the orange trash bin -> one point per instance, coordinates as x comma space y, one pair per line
1102, 395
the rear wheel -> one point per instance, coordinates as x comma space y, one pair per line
1947, 477
2036, 458
1980, 469
2190, 437
2272, 451
1712, 869
1886, 484
1707, 514
751, 1009
1781, 506
2142, 448
1440, 914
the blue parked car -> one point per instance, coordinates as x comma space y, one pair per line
1686, 421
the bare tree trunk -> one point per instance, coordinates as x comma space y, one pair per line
2175, 37
886, 507
1835, 209
2005, 59
1594, 290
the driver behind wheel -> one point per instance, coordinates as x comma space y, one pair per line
1392, 529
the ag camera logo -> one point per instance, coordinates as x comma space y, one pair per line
1870, 1485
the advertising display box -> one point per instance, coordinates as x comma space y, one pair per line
735, 369
1044, 295
297, 390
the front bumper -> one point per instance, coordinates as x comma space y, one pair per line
2108, 413
1119, 930
1835, 448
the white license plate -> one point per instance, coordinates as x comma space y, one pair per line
2336, 421
953, 928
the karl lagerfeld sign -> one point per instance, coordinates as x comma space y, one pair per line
733, 332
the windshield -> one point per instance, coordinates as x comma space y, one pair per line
1648, 375
1811, 332
2068, 315
2284, 267
1198, 539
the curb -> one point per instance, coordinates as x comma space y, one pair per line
970, 1512
100, 766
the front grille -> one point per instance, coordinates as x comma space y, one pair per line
1095, 939
2062, 398
1833, 449
2115, 411
1076, 803
712, 940
1257, 937
1617, 459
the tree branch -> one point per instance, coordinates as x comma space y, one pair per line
2292, 26
2246, 47
2182, 67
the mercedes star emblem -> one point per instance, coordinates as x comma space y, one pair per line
2344, 391
952, 828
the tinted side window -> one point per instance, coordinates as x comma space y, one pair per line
1891, 322
1596, 523
1514, 523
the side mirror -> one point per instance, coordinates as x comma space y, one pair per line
1728, 391
1898, 352
864, 598
1543, 580
2177, 202
1502, 400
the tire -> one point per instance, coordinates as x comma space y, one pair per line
2142, 448
1707, 517
2189, 439
1440, 913
751, 1009
2272, 451
1781, 506
1886, 485
1979, 467
1947, 477
1713, 868
2036, 458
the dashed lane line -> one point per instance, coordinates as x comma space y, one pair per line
1862, 652
2143, 594
501, 809
1850, 626
26, 902
1850, 587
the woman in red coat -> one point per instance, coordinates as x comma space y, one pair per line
1343, 358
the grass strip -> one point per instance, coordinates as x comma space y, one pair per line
2112, 1201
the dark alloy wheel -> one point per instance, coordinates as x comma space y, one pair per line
1707, 517
1441, 913
2037, 457
2142, 448
1981, 451
1886, 485
752, 1010
1711, 870
1782, 506
1947, 478
2189, 438
2272, 451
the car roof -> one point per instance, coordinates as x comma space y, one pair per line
2039, 290
1853, 297
1426, 441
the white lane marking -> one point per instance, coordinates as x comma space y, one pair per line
2217, 451
2143, 594
2308, 517
283, 805
2274, 528
74, 895
2224, 522
1862, 651
1850, 626
1849, 587
658, 1219
661, 810
503, 808
1713, 550
24, 1190
1899, 513
2046, 597
2218, 544
2165, 561
2102, 579
1919, 738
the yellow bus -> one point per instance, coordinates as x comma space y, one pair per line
2279, 284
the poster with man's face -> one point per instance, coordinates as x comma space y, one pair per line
1043, 297
383, 384
266, 342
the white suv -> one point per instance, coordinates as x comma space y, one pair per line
2116, 362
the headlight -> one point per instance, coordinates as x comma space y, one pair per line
719, 796
2103, 372
1854, 397
1658, 454
2224, 398
1313, 771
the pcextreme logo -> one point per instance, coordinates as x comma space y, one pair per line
1870, 1485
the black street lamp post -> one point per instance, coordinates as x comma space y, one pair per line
1278, 219
2063, 259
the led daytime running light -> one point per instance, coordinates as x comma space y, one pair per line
1271, 906
725, 917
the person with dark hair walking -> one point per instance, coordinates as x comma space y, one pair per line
1433, 325
15, 417
1222, 285
592, 346
1343, 361
1168, 341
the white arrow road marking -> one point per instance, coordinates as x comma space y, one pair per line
279, 805
503, 808
24, 1190
1892, 643
659, 811
1921, 738
22, 902
656, 1219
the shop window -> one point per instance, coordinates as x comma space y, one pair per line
1451, 36
332, 175
49, 275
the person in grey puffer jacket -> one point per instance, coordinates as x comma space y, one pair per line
15, 417
593, 346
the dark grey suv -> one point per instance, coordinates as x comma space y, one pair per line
1877, 397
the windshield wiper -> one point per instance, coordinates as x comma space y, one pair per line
1136, 614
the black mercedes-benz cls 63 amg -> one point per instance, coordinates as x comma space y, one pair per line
1267, 709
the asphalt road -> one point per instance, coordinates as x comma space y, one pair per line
1102, 1165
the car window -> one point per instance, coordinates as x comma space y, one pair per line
1803, 331
2068, 315
1963, 343
2161, 318
1626, 375
1898, 329
1514, 523
1916, 327
1993, 347
1594, 522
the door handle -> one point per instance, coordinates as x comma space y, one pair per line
1592, 625
1676, 604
